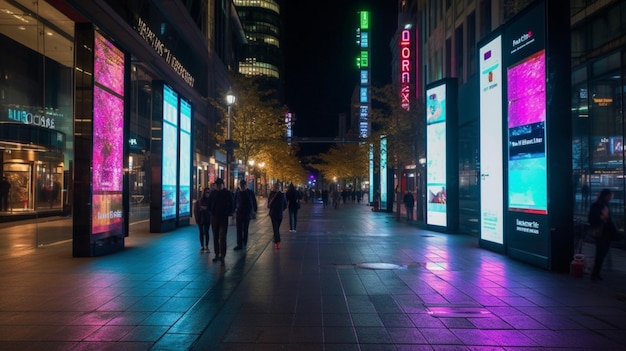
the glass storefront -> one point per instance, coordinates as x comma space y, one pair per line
36, 121
597, 112
139, 143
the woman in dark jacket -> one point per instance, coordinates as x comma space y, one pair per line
293, 203
203, 219
277, 203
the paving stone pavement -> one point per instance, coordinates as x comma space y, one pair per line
348, 279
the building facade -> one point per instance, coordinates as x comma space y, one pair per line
44, 108
450, 33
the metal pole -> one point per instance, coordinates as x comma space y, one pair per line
228, 137
229, 151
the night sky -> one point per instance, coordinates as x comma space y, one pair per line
320, 50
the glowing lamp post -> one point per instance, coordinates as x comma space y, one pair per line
230, 100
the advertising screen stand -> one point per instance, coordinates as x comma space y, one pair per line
100, 218
539, 223
492, 142
163, 159
442, 177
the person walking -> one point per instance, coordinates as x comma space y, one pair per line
203, 219
376, 202
221, 207
293, 197
245, 203
276, 203
409, 204
600, 219
5, 187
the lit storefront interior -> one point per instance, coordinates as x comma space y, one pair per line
36, 105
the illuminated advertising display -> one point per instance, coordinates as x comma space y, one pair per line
184, 190
528, 187
405, 68
363, 95
383, 171
170, 154
538, 128
436, 207
491, 141
108, 138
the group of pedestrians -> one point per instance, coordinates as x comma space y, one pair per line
212, 211
216, 205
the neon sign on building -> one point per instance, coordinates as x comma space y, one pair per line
405, 68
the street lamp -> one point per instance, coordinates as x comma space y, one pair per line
230, 100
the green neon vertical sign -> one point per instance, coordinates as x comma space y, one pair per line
364, 59
365, 19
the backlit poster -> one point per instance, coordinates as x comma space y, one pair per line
383, 172
491, 139
184, 205
436, 211
170, 154
528, 188
108, 138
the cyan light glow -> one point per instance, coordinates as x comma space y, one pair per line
184, 198
169, 195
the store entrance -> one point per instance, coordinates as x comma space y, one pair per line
36, 183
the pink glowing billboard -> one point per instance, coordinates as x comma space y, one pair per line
108, 138
108, 65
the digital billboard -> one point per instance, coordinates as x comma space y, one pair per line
491, 141
538, 128
170, 155
108, 138
436, 209
383, 171
526, 95
184, 189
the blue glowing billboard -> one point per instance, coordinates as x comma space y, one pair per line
184, 191
169, 196
383, 171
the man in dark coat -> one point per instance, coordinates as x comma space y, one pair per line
245, 203
221, 206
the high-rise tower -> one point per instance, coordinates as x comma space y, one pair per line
263, 55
